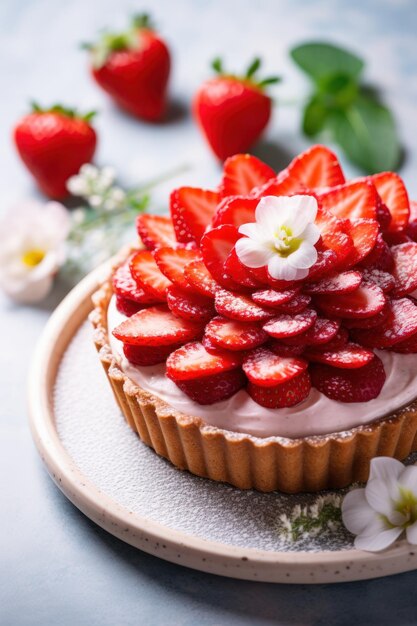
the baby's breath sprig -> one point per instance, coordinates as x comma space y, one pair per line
101, 226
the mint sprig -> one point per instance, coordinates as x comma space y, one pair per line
345, 109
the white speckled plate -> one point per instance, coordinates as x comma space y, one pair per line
123, 486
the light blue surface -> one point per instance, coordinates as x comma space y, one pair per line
56, 567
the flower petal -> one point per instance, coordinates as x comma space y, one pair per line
411, 534
280, 269
385, 468
378, 495
311, 233
388, 471
301, 210
252, 230
304, 257
378, 541
252, 253
357, 514
268, 213
408, 479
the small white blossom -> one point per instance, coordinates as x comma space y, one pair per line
32, 248
282, 237
387, 506
96, 186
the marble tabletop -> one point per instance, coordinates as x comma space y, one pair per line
57, 567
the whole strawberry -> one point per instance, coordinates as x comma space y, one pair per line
233, 111
53, 144
133, 68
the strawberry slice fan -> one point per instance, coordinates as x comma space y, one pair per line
216, 295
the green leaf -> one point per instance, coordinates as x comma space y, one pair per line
314, 117
270, 80
320, 60
217, 65
253, 67
366, 132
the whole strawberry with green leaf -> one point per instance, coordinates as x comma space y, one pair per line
53, 144
233, 111
133, 68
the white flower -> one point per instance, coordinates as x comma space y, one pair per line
32, 238
282, 237
386, 507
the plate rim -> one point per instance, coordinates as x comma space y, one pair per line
149, 535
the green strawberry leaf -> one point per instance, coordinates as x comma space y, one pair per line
314, 117
366, 132
320, 60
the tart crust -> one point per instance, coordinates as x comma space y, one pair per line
289, 465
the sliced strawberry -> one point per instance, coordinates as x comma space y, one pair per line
382, 214
237, 306
188, 305
156, 326
355, 385
262, 276
267, 369
352, 200
394, 195
321, 332
366, 301
215, 388
282, 185
408, 346
340, 339
193, 361
380, 256
344, 282
286, 394
127, 307
239, 272
369, 322
384, 280
125, 286
412, 222
351, 356
200, 278
235, 210
243, 172
148, 275
148, 355
364, 234
290, 325
333, 235
326, 263
191, 211
234, 335
405, 268
299, 303
286, 350
216, 246
317, 167
400, 324
155, 231
274, 299
172, 262
213, 349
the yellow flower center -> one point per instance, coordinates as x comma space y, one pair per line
284, 241
33, 257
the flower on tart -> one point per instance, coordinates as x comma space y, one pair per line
274, 284
32, 249
282, 237
385, 508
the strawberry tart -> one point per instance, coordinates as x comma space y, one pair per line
265, 334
